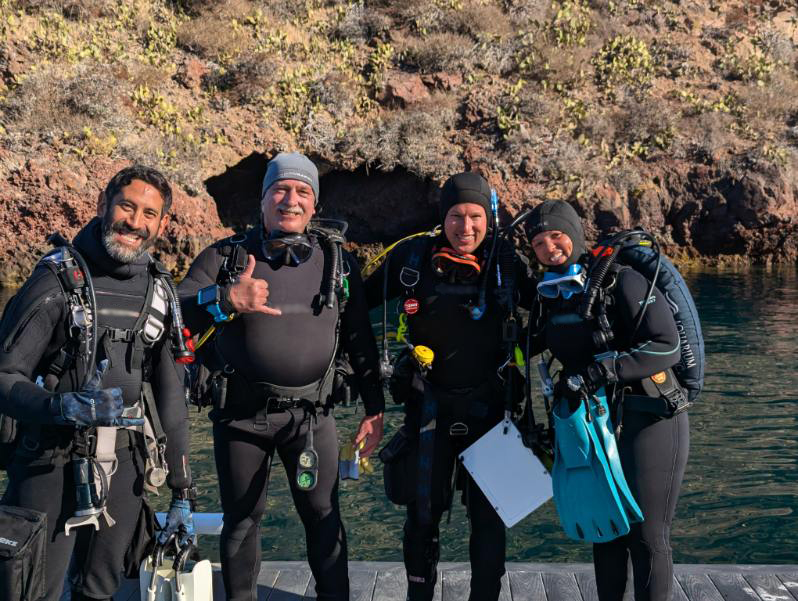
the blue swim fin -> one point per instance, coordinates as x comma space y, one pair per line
590, 492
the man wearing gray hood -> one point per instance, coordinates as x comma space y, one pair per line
282, 295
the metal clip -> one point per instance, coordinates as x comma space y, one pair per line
409, 273
458, 429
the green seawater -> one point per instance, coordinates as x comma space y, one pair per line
740, 492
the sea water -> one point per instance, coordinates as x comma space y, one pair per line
740, 491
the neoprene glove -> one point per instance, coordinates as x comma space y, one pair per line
179, 521
92, 406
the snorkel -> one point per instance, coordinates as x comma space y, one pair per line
478, 310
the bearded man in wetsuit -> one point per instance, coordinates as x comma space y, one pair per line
276, 363
61, 416
438, 282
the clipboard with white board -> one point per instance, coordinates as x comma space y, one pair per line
509, 474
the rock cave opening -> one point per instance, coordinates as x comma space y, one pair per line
380, 206
236, 191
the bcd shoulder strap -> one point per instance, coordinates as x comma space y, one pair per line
235, 259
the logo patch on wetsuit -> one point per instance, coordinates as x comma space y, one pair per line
411, 306
659, 378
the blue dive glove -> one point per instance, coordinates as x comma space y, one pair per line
92, 406
179, 521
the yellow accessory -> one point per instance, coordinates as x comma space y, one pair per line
347, 452
424, 355
519, 356
209, 332
401, 330
375, 262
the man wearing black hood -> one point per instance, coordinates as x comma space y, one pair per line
438, 282
61, 400
654, 437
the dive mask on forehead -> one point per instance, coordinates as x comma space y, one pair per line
457, 268
569, 283
291, 249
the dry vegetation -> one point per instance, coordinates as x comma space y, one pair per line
565, 92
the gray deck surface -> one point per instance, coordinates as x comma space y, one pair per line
377, 581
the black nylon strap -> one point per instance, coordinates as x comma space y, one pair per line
136, 355
152, 411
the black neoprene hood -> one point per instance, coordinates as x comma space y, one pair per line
466, 187
551, 215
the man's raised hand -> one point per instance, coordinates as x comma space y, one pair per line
250, 295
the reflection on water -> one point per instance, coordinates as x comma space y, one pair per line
739, 494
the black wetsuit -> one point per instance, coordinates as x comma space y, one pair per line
653, 449
33, 329
463, 379
290, 350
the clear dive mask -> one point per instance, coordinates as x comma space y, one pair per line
291, 249
569, 283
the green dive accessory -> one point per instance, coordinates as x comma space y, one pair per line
307, 469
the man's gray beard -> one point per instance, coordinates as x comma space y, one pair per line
120, 253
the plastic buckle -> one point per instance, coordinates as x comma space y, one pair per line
261, 422
134, 411
458, 429
120, 335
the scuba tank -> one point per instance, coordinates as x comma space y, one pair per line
639, 250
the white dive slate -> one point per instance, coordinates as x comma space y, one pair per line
508, 473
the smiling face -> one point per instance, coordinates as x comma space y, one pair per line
287, 206
132, 220
465, 226
552, 248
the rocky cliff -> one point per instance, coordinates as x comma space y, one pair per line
678, 116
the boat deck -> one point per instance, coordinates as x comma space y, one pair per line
379, 581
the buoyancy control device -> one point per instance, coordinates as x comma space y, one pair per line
639, 250
208, 377
93, 453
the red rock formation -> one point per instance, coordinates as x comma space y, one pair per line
42, 197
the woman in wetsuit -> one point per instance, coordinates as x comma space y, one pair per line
653, 442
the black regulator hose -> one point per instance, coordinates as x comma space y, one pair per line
57, 239
599, 269
519, 219
183, 352
597, 272
331, 237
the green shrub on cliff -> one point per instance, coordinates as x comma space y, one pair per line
564, 93
623, 60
